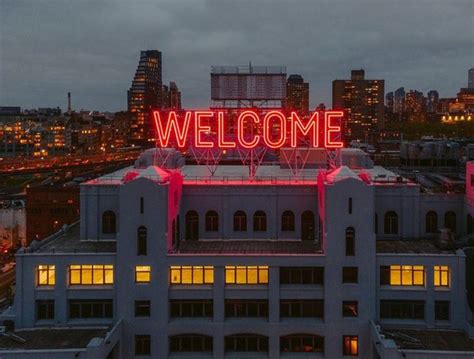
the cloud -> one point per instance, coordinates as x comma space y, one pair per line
91, 48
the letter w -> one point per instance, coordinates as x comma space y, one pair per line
180, 130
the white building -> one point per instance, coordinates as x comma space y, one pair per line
174, 264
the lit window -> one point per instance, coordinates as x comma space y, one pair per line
350, 345
246, 274
91, 274
46, 275
441, 276
191, 274
407, 275
142, 274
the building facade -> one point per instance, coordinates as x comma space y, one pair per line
297, 94
174, 263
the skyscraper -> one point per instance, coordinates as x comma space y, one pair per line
432, 101
363, 101
297, 94
144, 95
399, 100
389, 102
470, 78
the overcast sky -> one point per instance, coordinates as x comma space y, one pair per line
91, 48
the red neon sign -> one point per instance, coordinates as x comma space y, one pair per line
275, 129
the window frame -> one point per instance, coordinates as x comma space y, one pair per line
288, 221
142, 344
438, 278
259, 221
347, 345
240, 221
205, 272
142, 308
211, 221
142, 269
81, 270
50, 271
48, 305
236, 280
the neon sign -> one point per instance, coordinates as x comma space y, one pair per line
274, 129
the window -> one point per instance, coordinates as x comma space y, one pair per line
391, 223
109, 223
350, 345
246, 275
350, 241
350, 274
376, 224
191, 274
469, 224
402, 275
441, 276
142, 308
240, 221
141, 241
302, 343
90, 308
302, 275
212, 221
311, 308
91, 274
190, 343
402, 309
192, 225
246, 343
45, 275
349, 209
142, 345
235, 308
307, 226
288, 221
441, 310
259, 221
191, 308
431, 222
450, 221
350, 308
142, 274
45, 309
142, 205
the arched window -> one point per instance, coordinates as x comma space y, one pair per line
350, 241
307, 226
376, 223
141, 241
450, 221
192, 226
240, 221
109, 225
259, 221
288, 221
390, 225
469, 224
431, 222
212, 221
350, 205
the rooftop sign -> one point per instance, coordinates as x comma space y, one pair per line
248, 129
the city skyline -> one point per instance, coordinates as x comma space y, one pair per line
92, 51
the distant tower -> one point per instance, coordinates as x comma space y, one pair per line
470, 78
297, 94
68, 102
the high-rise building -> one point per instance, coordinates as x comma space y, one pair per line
389, 102
414, 101
470, 78
432, 101
144, 95
171, 97
297, 94
399, 100
363, 101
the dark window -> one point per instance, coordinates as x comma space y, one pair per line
191, 308
350, 241
259, 221
350, 345
350, 205
350, 274
240, 221
192, 225
402, 309
302, 275
45, 309
302, 343
109, 223
90, 308
142, 308
469, 224
390, 225
212, 221
246, 308
142, 205
141, 241
442, 310
190, 343
350, 308
288, 221
246, 343
307, 226
376, 224
431, 222
142, 345
450, 221
302, 308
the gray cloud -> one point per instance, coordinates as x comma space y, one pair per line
91, 48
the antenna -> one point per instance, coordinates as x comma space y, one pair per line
69, 102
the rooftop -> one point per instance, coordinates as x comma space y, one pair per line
47, 338
424, 339
67, 240
249, 247
411, 246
